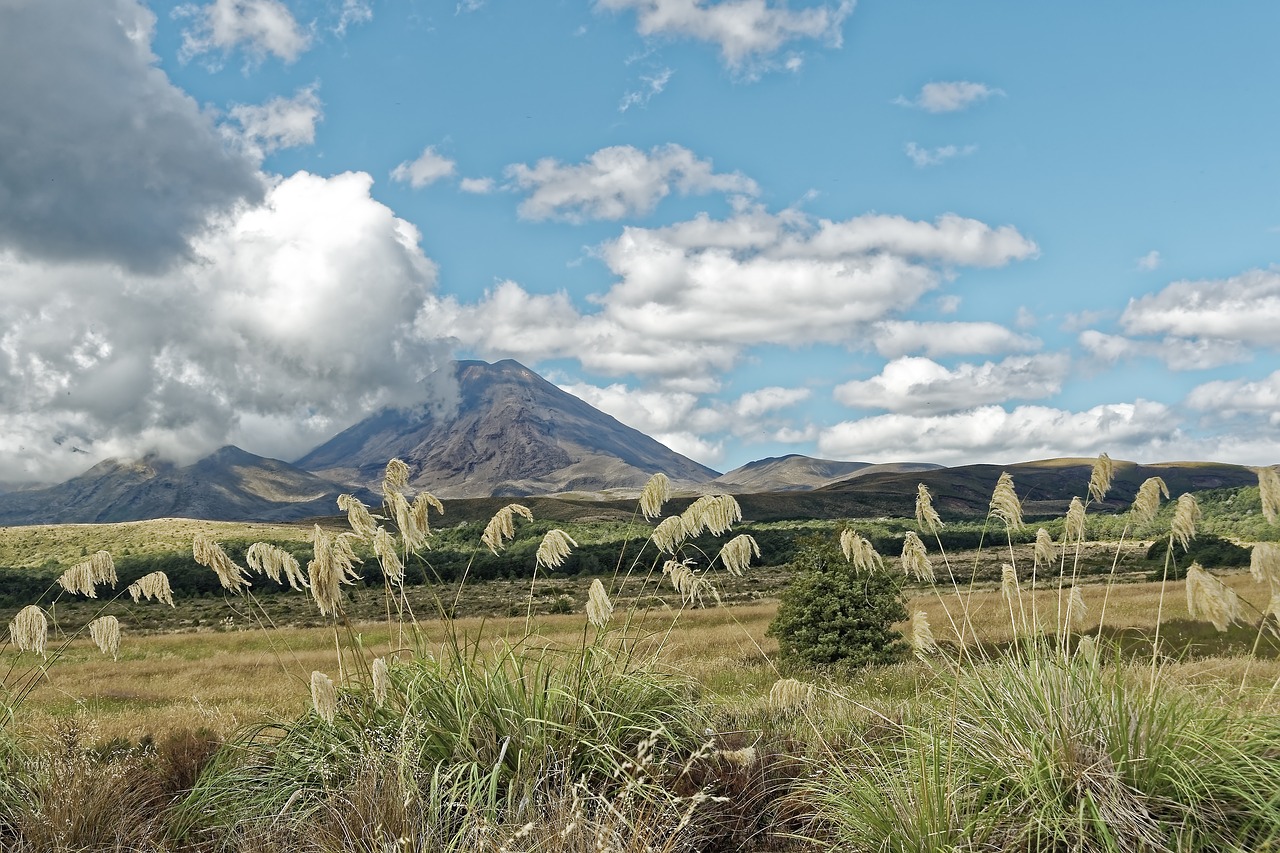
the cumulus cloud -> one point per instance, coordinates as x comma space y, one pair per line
477, 186
1141, 429
616, 182
295, 320
279, 123
893, 338
353, 12
753, 404
1243, 308
104, 158
1176, 353
915, 385
925, 157
748, 32
950, 96
259, 27
691, 297
1232, 397
1150, 261
428, 168
653, 86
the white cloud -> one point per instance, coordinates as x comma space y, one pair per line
919, 385
1231, 397
925, 157
753, 404
279, 123
1025, 318
1244, 308
894, 338
948, 304
691, 297
477, 186
103, 157
427, 169
950, 96
617, 182
1150, 261
259, 27
294, 320
654, 84
748, 32
353, 12
1141, 429
1176, 353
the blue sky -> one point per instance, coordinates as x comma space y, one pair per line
907, 230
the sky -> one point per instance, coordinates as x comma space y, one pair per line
896, 230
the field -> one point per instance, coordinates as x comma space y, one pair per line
528, 713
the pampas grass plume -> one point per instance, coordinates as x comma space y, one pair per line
83, 578
1185, 518
555, 547
276, 563
1005, 504
1073, 527
1147, 503
396, 477
380, 676
210, 554
29, 630
737, 552
324, 696
860, 552
599, 607
915, 558
656, 492
1269, 493
1045, 551
1209, 598
1076, 610
791, 693
105, 633
922, 635
1264, 563
926, 516
384, 547
1009, 583
153, 586
502, 526
358, 516
669, 535
713, 513
1100, 477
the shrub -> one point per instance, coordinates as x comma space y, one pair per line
833, 614
1206, 549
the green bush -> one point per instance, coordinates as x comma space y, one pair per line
1212, 552
831, 614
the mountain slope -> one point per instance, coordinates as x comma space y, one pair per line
228, 484
798, 473
513, 433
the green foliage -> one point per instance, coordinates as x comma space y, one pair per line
1212, 552
830, 614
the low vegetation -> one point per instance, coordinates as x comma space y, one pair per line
636, 687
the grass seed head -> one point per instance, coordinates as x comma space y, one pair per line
380, 676
29, 630
860, 552
78, 580
1073, 527
276, 563
384, 546
502, 526
555, 547
1147, 503
599, 607
1186, 515
1009, 583
922, 635
737, 552
210, 554
1076, 609
1087, 648
105, 633
691, 586
1005, 504
1264, 563
154, 586
713, 513
791, 693
358, 516
669, 534
1210, 599
421, 510
1100, 477
1045, 552
1269, 493
926, 516
656, 492
395, 478
324, 696
915, 558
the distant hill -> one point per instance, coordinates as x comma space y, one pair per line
513, 434
799, 473
228, 484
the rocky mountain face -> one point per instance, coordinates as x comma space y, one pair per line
228, 484
512, 434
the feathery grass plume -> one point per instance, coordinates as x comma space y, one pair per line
1147, 503
599, 607
502, 526
396, 477
790, 693
1087, 648
105, 633
922, 635
380, 675
78, 580
1100, 477
1273, 606
421, 509
210, 554
669, 534
29, 630
554, 548
1269, 493
1076, 610
154, 586
860, 552
104, 569
713, 513
324, 696
736, 553
275, 563
1045, 552
1264, 563
402, 513
384, 547
1005, 504
330, 569
358, 516
1009, 583
1211, 599
926, 516
691, 586
1073, 526
1186, 515
656, 492
915, 558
